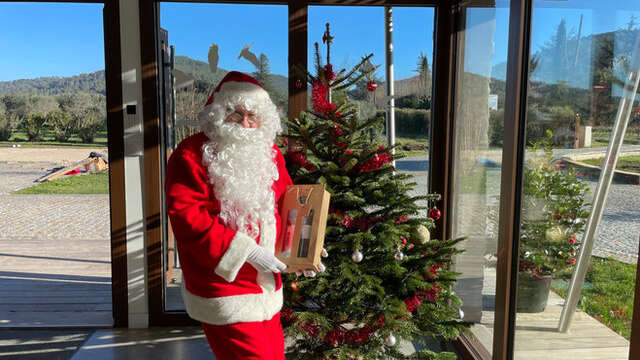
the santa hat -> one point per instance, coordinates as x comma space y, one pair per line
239, 88
238, 84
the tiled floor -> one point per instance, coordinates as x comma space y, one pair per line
153, 343
121, 344
107, 344
40, 344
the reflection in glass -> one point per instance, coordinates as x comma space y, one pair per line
579, 59
479, 116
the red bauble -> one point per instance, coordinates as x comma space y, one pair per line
347, 221
298, 84
371, 86
434, 213
294, 285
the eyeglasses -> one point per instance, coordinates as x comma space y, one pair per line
239, 115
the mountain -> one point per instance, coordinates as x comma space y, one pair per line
584, 57
95, 82
54, 85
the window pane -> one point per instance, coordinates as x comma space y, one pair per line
579, 60
55, 224
479, 114
413, 58
209, 37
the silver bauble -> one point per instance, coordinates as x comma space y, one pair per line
390, 340
356, 256
399, 255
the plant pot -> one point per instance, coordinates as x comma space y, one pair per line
533, 293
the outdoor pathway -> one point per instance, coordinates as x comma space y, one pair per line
18, 175
55, 254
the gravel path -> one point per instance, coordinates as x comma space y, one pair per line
619, 230
60, 155
48, 216
18, 175
55, 217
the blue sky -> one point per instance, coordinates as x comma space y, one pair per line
192, 31
45, 39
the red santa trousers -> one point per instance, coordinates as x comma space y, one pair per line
260, 340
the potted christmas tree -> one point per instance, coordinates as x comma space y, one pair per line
553, 215
386, 279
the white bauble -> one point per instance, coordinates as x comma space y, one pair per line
556, 233
357, 256
423, 234
390, 340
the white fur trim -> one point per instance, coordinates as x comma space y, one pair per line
268, 235
235, 89
242, 89
235, 256
233, 309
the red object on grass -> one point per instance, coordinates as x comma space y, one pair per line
74, 172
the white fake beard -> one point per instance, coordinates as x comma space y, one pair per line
242, 171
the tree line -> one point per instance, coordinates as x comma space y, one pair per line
62, 116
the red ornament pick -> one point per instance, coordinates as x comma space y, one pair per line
371, 86
434, 214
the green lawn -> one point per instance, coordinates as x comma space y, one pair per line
97, 183
407, 146
625, 163
19, 137
607, 294
601, 137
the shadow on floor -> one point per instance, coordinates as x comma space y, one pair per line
152, 343
40, 300
40, 344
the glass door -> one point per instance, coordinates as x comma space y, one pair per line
200, 43
579, 63
478, 117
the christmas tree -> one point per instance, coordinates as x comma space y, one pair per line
386, 279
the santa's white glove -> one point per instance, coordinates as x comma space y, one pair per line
264, 261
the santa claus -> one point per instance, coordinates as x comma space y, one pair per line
223, 190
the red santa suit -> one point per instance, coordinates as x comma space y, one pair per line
238, 305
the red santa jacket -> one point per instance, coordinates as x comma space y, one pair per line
219, 286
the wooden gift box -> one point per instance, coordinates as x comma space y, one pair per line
304, 219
